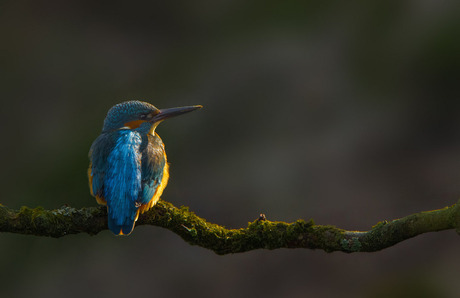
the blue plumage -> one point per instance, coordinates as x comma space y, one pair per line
128, 170
123, 181
153, 165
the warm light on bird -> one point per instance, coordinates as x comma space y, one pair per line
128, 170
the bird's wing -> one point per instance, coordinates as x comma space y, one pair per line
154, 172
98, 154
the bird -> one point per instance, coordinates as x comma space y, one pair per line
128, 170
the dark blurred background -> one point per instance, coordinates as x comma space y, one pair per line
345, 113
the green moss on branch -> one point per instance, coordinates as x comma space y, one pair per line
260, 233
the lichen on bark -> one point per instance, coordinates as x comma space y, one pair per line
259, 234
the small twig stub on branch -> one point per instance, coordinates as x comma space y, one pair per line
260, 233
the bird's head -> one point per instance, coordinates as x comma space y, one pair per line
132, 114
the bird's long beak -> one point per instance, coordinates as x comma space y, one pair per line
173, 112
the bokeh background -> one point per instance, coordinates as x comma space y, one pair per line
343, 112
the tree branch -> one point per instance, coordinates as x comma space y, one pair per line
260, 233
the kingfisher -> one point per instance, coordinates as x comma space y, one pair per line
128, 170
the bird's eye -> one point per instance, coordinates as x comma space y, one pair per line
143, 116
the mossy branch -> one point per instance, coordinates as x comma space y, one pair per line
260, 233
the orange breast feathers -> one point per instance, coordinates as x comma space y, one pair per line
158, 192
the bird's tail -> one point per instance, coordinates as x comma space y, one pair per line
123, 228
